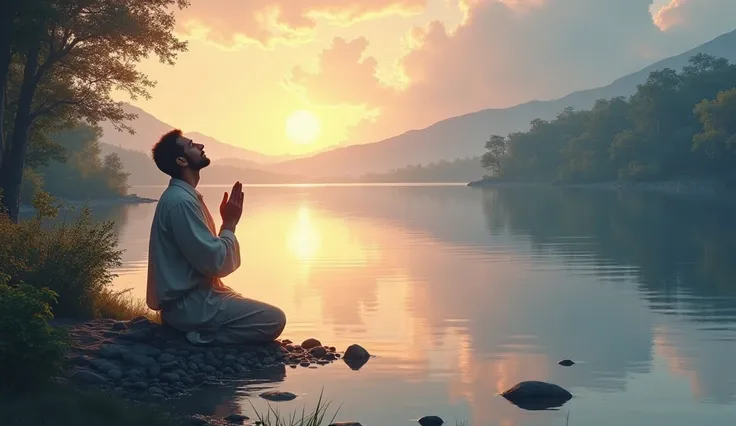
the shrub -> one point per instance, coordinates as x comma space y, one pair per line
31, 350
73, 260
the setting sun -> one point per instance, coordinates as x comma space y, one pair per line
302, 127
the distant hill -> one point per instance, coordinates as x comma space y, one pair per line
465, 135
149, 128
143, 170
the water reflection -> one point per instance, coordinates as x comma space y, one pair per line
462, 293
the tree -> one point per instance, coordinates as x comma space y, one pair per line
72, 58
718, 138
496, 151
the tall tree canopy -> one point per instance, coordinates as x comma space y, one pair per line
64, 59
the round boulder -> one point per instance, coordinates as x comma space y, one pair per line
536, 395
430, 421
311, 343
277, 396
356, 352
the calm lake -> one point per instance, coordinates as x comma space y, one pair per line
461, 293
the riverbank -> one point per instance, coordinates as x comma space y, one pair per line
95, 202
680, 186
147, 363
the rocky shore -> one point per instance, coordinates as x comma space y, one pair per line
142, 360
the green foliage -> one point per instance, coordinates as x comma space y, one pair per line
83, 175
74, 260
31, 351
665, 130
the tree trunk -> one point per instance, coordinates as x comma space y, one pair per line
12, 173
6, 33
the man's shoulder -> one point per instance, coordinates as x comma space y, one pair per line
173, 196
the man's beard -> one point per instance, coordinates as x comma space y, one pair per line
197, 165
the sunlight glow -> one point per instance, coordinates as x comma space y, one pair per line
304, 240
303, 127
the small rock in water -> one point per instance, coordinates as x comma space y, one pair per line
311, 343
566, 362
345, 424
430, 421
536, 395
236, 418
277, 396
318, 351
355, 352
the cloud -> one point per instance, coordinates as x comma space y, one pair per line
233, 23
344, 76
691, 14
505, 53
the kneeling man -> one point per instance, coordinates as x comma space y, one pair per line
187, 257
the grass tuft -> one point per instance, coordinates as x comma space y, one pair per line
314, 418
121, 305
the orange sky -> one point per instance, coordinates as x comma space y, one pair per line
364, 71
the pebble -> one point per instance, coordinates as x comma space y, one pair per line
430, 421
310, 343
566, 362
277, 396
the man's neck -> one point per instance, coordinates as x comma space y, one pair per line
191, 177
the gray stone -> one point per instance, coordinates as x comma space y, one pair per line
154, 370
356, 352
134, 372
187, 381
115, 374
88, 377
145, 349
139, 360
536, 395
310, 343
103, 365
430, 421
154, 389
228, 370
318, 351
112, 351
165, 358
209, 369
345, 424
119, 325
170, 377
171, 365
277, 396
566, 363
229, 358
193, 367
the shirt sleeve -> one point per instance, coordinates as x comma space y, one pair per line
211, 255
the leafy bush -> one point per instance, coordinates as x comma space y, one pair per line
31, 350
74, 260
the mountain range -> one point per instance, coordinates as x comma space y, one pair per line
457, 137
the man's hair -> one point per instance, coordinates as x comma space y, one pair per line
166, 151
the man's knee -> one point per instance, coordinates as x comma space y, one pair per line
280, 319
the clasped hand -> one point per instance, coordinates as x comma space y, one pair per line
231, 207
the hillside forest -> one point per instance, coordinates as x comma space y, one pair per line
678, 125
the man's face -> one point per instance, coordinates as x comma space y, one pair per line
194, 155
